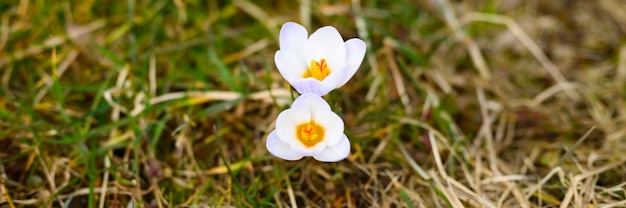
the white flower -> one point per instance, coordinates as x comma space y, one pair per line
320, 63
309, 128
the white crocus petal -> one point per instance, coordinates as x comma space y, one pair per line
355, 52
326, 43
289, 65
292, 37
333, 80
333, 129
310, 85
311, 102
280, 149
288, 121
333, 126
335, 153
298, 147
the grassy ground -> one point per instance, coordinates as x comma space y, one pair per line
489, 103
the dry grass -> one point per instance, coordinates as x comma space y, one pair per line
498, 103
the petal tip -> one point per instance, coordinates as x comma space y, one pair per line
310, 85
335, 153
280, 149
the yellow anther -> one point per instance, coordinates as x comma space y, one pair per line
318, 70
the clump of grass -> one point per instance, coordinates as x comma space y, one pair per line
168, 103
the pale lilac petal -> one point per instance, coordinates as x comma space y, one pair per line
289, 65
310, 85
334, 80
280, 149
288, 121
333, 126
293, 37
298, 147
311, 102
335, 153
326, 43
355, 52
355, 49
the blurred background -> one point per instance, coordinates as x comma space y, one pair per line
167, 103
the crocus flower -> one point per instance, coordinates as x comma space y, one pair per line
319, 63
309, 128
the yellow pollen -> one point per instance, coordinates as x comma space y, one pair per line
310, 133
318, 70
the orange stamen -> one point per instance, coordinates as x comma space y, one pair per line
318, 70
310, 133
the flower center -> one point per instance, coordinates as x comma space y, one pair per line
318, 70
310, 133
